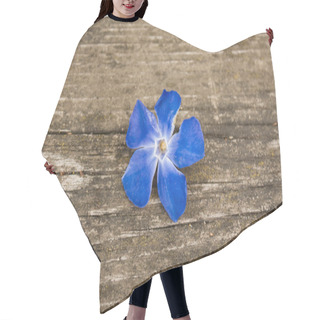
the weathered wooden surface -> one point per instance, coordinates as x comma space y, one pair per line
238, 182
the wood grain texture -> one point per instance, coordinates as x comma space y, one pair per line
237, 183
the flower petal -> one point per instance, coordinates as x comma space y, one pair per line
166, 108
143, 127
187, 146
137, 179
172, 189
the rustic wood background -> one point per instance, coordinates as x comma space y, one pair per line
237, 183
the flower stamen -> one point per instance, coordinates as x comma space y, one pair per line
163, 146
161, 149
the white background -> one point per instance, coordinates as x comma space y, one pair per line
48, 269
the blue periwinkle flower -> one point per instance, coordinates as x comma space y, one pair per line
155, 145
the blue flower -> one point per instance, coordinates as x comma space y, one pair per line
155, 145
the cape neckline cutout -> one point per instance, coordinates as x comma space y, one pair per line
111, 16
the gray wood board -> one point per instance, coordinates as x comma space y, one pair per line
237, 183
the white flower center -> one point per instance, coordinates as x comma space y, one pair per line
161, 148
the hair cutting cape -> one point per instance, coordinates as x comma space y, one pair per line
238, 181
